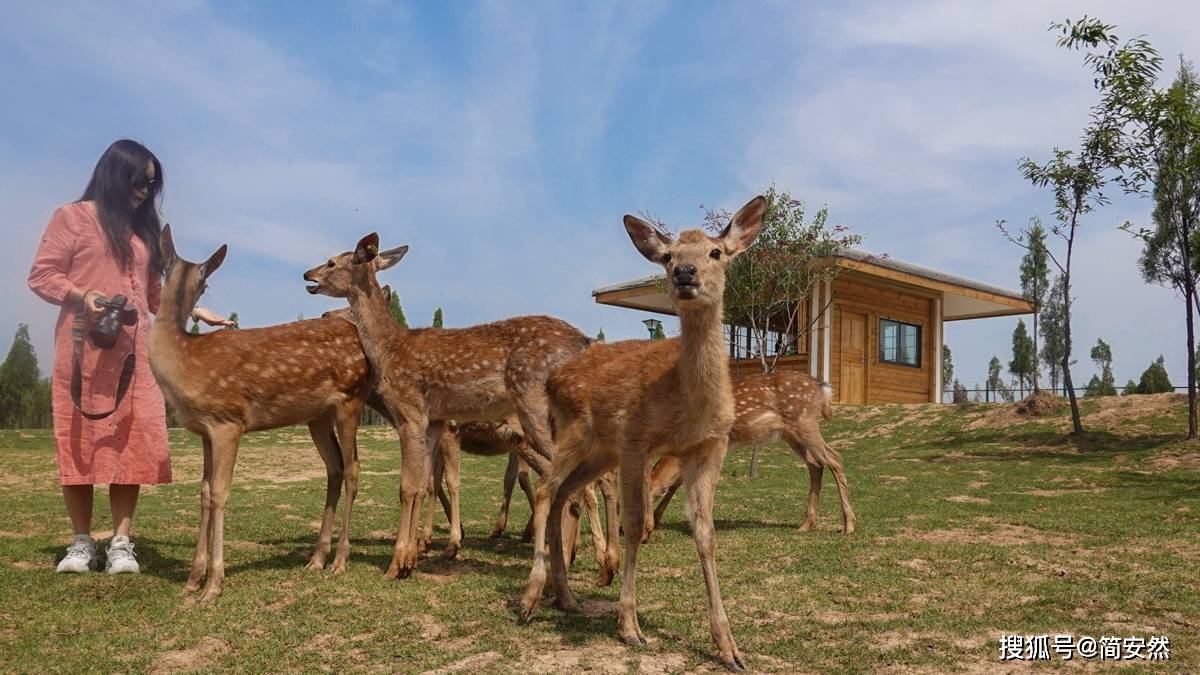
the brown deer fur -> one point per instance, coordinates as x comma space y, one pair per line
225, 383
783, 405
485, 372
620, 408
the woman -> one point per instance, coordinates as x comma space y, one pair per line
104, 245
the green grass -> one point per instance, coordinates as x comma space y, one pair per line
971, 524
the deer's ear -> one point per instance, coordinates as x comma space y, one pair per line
214, 261
649, 241
367, 249
166, 245
745, 225
390, 257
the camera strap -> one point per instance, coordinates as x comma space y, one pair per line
77, 333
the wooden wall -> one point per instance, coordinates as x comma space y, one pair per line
878, 299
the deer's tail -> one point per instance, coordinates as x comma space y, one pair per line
826, 403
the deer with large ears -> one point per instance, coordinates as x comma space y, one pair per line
485, 372
620, 407
225, 383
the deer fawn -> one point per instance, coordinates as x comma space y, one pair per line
225, 383
424, 376
622, 407
783, 405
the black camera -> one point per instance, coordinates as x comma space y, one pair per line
116, 314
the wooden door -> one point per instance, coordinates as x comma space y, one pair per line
854, 357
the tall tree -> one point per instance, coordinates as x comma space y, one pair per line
1022, 365
234, 318
659, 333
1035, 281
437, 318
195, 330
1168, 128
947, 365
600, 336
18, 379
396, 310
1103, 384
1053, 333
995, 383
1079, 178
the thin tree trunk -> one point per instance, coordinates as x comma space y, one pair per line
1189, 293
1036, 365
1076, 423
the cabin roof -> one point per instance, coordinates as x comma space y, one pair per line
963, 298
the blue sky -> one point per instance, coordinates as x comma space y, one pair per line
504, 141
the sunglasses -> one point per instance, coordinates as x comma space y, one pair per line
149, 184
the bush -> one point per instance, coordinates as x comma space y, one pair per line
1155, 379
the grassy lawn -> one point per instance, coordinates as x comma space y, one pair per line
971, 523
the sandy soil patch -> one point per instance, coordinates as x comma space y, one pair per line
968, 499
998, 534
202, 655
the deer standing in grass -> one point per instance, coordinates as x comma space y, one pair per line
424, 376
225, 383
617, 407
771, 406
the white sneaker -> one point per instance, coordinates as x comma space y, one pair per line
81, 555
121, 559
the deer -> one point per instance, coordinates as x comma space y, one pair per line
617, 407
225, 383
771, 406
425, 376
486, 439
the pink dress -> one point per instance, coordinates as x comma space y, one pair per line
129, 446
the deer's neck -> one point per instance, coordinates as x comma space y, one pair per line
171, 320
703, 368
376, 327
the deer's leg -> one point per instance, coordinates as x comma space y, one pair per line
633, 522
815, 473
700, 474
414, 476
321, 430
200, 557
453, 479
664, 481
549, 494
599, 542
432, 487
533, 410
833, 459
563, 530
527, 488
225, 448
611, 563
510, 479
346, 418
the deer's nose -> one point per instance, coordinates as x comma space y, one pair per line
685, 273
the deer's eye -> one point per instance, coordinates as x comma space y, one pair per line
715, 254
666, 258
329, 264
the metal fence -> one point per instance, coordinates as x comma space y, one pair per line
1010, 395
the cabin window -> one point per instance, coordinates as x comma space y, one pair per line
899, 343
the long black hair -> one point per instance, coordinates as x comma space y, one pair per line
121, 167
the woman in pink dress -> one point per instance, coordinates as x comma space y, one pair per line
104, 245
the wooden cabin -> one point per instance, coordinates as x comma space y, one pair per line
876, 332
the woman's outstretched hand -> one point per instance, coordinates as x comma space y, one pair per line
208, 317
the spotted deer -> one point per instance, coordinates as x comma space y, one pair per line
225, 383
616, 407
488, 439
424, 376
771, 406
